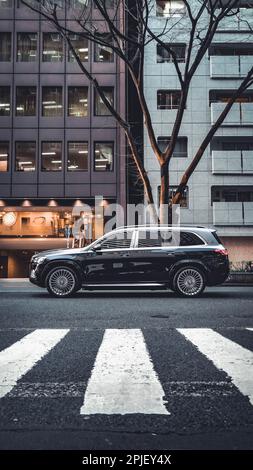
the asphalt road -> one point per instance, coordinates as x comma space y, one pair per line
126, 370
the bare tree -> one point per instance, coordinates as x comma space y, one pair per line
200, 19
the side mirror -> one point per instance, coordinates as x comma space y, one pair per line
97, 248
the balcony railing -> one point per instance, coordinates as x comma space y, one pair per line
239, 115
233, 213
229, 66
232, 162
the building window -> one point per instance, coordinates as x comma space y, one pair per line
77, 156
5, 47
168, 99
5, 101
223, 96
104, 53
237, 145
26, 101
4, 156
236, 49
232, 194
51, 101
51, 156
26, 47
164, 55
104, 156
78, 101
80, 46
25, 156
167, 8
100, 108
52, 47
180, 149
5, 4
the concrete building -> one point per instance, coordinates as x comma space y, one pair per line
59, 148
220, 192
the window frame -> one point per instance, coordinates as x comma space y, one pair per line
94, 155
62, 156
171, 99
17, 47
44, 33
96, 96
35, 156
9, 45
44, 87
169, 60
7, 142
10, 98
16, 104
78, 142
172, 12
71, 58
100, 45
68, 101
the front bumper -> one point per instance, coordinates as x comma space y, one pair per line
34, 276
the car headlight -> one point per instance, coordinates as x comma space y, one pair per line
40, 259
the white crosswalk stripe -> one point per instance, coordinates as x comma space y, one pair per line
123, 379
235, 360
19, 358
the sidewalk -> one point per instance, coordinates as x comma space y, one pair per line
17, 285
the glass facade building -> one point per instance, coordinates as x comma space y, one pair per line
58, 142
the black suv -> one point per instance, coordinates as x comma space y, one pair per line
183, 259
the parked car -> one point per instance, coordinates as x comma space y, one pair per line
183, 259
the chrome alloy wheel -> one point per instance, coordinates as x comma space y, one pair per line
62, 282
190, 282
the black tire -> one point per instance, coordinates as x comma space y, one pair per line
62, 282
189, 281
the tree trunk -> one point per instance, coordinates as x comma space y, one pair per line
164, 213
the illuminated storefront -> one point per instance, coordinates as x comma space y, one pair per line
32, 226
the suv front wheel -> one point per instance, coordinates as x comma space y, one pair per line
189, 281
62, 282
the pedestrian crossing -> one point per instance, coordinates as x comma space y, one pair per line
129, 371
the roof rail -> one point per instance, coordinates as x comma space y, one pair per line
160, 225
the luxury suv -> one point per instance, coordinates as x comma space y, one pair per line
183, 259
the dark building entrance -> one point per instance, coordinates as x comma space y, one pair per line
3, 266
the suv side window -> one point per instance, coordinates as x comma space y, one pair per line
149, 238
117, 241
190, 239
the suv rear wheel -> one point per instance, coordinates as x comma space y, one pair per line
62, 282
189, 281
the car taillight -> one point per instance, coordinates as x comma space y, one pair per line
222, 251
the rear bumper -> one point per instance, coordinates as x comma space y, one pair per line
218, 277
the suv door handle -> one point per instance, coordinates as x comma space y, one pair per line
125, 255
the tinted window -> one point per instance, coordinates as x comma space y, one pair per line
189, 239
149, 238
217, 238
117, 241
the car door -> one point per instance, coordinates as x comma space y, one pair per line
152, 256
110, 263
